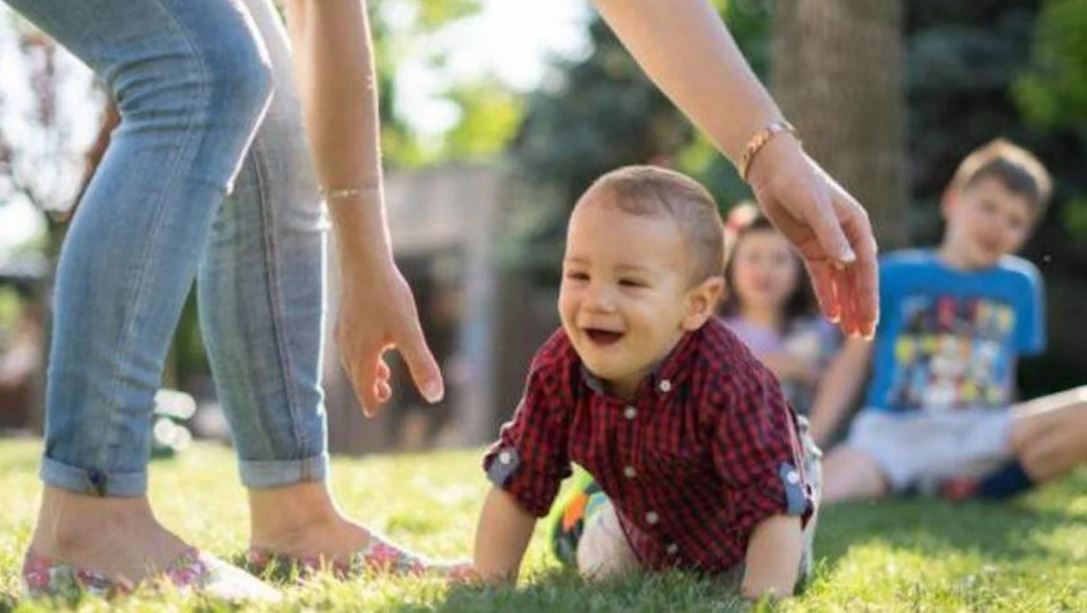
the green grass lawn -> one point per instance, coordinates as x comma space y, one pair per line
903, 556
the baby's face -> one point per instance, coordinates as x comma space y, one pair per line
624, 291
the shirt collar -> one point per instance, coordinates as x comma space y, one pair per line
668, 374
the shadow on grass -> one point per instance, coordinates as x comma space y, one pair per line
999, 531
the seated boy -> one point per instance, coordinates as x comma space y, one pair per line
940, 413
683, 429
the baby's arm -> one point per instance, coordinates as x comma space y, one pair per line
501, 537
773, 558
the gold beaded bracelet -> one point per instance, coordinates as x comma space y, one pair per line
346, 192
763, 136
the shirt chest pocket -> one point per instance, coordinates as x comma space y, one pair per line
676, 459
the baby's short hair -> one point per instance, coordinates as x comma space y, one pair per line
651, 190
1016, 168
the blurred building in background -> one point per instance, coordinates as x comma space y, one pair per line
481, 322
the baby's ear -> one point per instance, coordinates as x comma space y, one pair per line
702, 301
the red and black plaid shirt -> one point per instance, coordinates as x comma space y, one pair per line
706, 451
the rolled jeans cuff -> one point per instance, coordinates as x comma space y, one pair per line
278, 473
92, 481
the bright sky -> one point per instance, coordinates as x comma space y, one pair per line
512, 39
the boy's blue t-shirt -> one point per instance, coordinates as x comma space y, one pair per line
947, 338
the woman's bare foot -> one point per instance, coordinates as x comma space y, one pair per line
117, 537
302, 521
300, 524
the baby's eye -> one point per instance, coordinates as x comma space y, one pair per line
631, 283
576, 275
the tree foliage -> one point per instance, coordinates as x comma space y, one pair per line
489, 113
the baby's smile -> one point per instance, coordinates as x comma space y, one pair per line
603, 337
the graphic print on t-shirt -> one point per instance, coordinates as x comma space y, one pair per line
951, 353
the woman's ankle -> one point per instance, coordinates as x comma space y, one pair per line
67, 520
301, 519
118, 538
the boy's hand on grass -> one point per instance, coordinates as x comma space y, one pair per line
829, 228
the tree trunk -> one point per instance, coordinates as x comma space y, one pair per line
838, 74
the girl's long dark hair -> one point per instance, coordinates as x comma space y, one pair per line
744, 219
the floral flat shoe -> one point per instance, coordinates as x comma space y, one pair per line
380, 557
44, 577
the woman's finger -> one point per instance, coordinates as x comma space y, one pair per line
382, 391
822, 281
865, 288
363, 379
821, 216
421, 363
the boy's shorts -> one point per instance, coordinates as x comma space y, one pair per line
919, 449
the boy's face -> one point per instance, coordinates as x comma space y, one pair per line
625, 299
985, 222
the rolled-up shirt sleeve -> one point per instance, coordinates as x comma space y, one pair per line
758, 455
529, 460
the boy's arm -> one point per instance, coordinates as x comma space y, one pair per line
773, 558
501, 537
839, 387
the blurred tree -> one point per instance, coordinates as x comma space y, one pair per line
1053, 92
593, 115
490, 115
41, 144
838, 76
488, 112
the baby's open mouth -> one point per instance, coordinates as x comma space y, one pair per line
603, 337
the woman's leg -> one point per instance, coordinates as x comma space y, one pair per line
261, 297
191, 81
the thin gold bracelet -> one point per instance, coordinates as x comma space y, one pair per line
347, 192
763, 136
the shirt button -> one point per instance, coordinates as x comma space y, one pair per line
629, 472
792, 477
665, 386
672, 549
630, 412
505, 457
651, 518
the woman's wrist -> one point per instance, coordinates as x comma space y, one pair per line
361, 231
782, 150
759, 139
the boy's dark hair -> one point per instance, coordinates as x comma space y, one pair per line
651, 190
1017, 169
744, 219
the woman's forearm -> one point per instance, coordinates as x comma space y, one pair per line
684, 47
334, 69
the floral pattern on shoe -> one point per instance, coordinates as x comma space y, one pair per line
379, 557
45, 577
